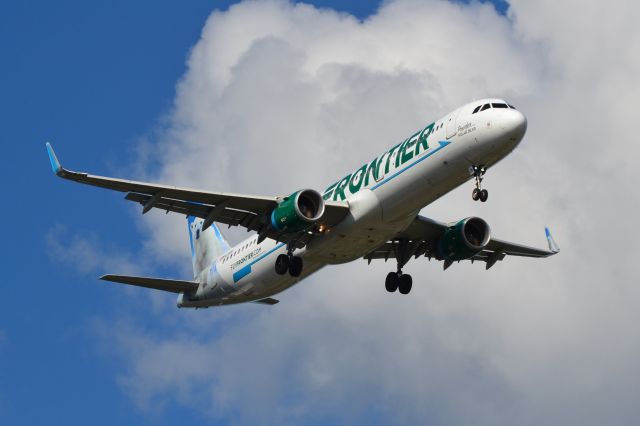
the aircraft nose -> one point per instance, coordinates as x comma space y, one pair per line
515, 125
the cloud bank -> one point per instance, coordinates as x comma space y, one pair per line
280, 96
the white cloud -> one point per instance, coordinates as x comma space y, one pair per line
279, 97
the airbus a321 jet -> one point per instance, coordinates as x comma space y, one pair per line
370, 213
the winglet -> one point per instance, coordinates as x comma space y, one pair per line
55, 164
553, 247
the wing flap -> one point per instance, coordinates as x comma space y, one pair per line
334, 213
225, 215
173, 286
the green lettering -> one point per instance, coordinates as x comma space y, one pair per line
356, 180
380, 162
399, 153
406, 156
339, 192
422, 140
329, 191
372, 171
391, 151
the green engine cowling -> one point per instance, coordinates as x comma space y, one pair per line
298, 211
464, 240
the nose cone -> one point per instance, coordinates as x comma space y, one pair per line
514, 124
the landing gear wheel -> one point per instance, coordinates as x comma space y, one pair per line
475, 194
404, 283
484, 195
295, 266
282, 264
391, 283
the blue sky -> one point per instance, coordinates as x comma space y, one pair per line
96, 79
92, 78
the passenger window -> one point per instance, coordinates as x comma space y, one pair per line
485, 106
477, 109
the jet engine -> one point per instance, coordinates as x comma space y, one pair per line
464, 240
298, 211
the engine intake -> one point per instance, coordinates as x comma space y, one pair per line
465, 239
298, 211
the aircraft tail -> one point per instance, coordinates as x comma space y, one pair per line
206, 245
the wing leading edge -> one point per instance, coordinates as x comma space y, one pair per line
249, 211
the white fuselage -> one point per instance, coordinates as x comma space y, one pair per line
409, 176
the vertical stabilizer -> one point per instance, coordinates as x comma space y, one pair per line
206, 245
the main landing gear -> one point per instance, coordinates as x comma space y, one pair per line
398, 280
289, 262
479, 193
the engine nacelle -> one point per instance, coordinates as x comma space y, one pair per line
298, 211
465, 239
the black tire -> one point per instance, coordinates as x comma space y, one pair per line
295, 266
475, 194
484, 195
405, 283
282, 264
391, 283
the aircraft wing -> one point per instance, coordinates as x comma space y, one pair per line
422, 235
249, 211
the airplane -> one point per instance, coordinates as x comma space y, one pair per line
370, 213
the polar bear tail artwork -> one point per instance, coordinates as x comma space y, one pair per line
206, 245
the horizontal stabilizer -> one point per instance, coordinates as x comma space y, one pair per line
267, 301
174, 286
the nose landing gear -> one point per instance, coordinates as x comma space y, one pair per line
479, 193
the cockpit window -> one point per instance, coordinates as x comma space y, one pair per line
511, 106
477, 109
499, 105
485, 106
